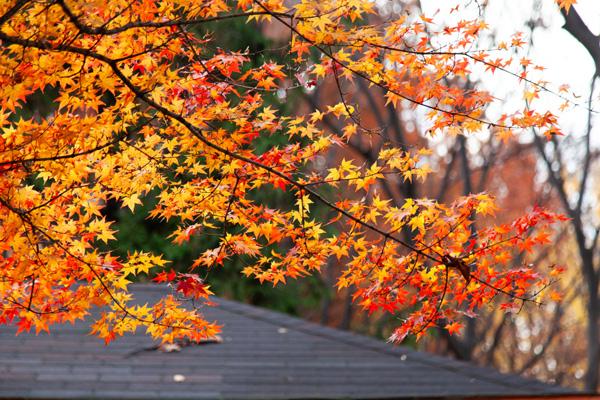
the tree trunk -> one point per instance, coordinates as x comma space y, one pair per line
593, 345
348, 311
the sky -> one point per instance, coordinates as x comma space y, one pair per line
565, 60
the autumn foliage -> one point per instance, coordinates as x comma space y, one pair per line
144, 103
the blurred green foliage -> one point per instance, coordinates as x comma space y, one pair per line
137, 232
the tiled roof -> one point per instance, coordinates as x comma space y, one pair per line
264, 355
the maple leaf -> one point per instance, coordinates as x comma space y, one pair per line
24, 325
131, 201
191, 285
165, 276
454, 328
566, 4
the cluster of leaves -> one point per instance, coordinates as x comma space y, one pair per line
143, 106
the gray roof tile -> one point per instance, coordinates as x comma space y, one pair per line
264, 355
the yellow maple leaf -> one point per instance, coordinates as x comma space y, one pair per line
566, 4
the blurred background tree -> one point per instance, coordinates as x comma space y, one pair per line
560, 341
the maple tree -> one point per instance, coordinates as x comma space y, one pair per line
144, 103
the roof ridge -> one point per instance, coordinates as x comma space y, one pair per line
277, 318
265, 355
370, 343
